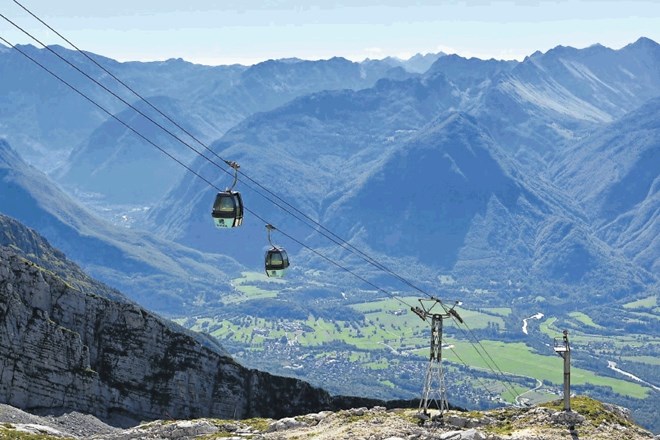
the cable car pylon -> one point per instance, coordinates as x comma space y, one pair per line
228, 206
435, 389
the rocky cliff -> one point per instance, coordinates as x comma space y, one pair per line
68, 342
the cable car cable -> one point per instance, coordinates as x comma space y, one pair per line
490, 357
343, 243
365, 256
113, 93
195, 173
107, 111
142, 98
369, 259
477, 377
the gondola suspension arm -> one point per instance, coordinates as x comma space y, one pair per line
235, 167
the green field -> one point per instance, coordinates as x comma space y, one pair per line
646, 303
616, 343
244, 288
585, 319
389, 333
652, 360
385, 310
516, 358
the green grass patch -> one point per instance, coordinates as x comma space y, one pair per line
387, 383
389, 327
253, 285
257, 424
503, 426
589, 408
379, 364
249, 277
548, 328
584, 319
501, 311
646, 303
391, 313
7, 432
517, 359
646, 316
651, 360
511, 392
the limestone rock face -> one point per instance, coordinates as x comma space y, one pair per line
64, 345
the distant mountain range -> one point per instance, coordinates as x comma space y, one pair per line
454, 172
478, 168
65, 130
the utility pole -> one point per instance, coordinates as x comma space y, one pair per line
563, 349
435, 389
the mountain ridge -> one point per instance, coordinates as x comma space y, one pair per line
612, 174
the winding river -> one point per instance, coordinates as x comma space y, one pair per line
537, 316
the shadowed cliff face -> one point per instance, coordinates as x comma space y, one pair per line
67, 348
64, 348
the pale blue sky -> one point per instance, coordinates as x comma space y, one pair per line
248, 31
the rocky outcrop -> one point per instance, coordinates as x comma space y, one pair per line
65, 344
377, 423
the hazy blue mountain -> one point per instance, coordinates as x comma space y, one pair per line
158, 274
451, 200
596, 83
38, 114
121, 167
309, 151
529, 177
551, 99
320, 133
614, 174
206, 101
270, 84
470, 74
439, 193
44, 119
337, 137
418, 63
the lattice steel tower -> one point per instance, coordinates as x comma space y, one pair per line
435, 390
